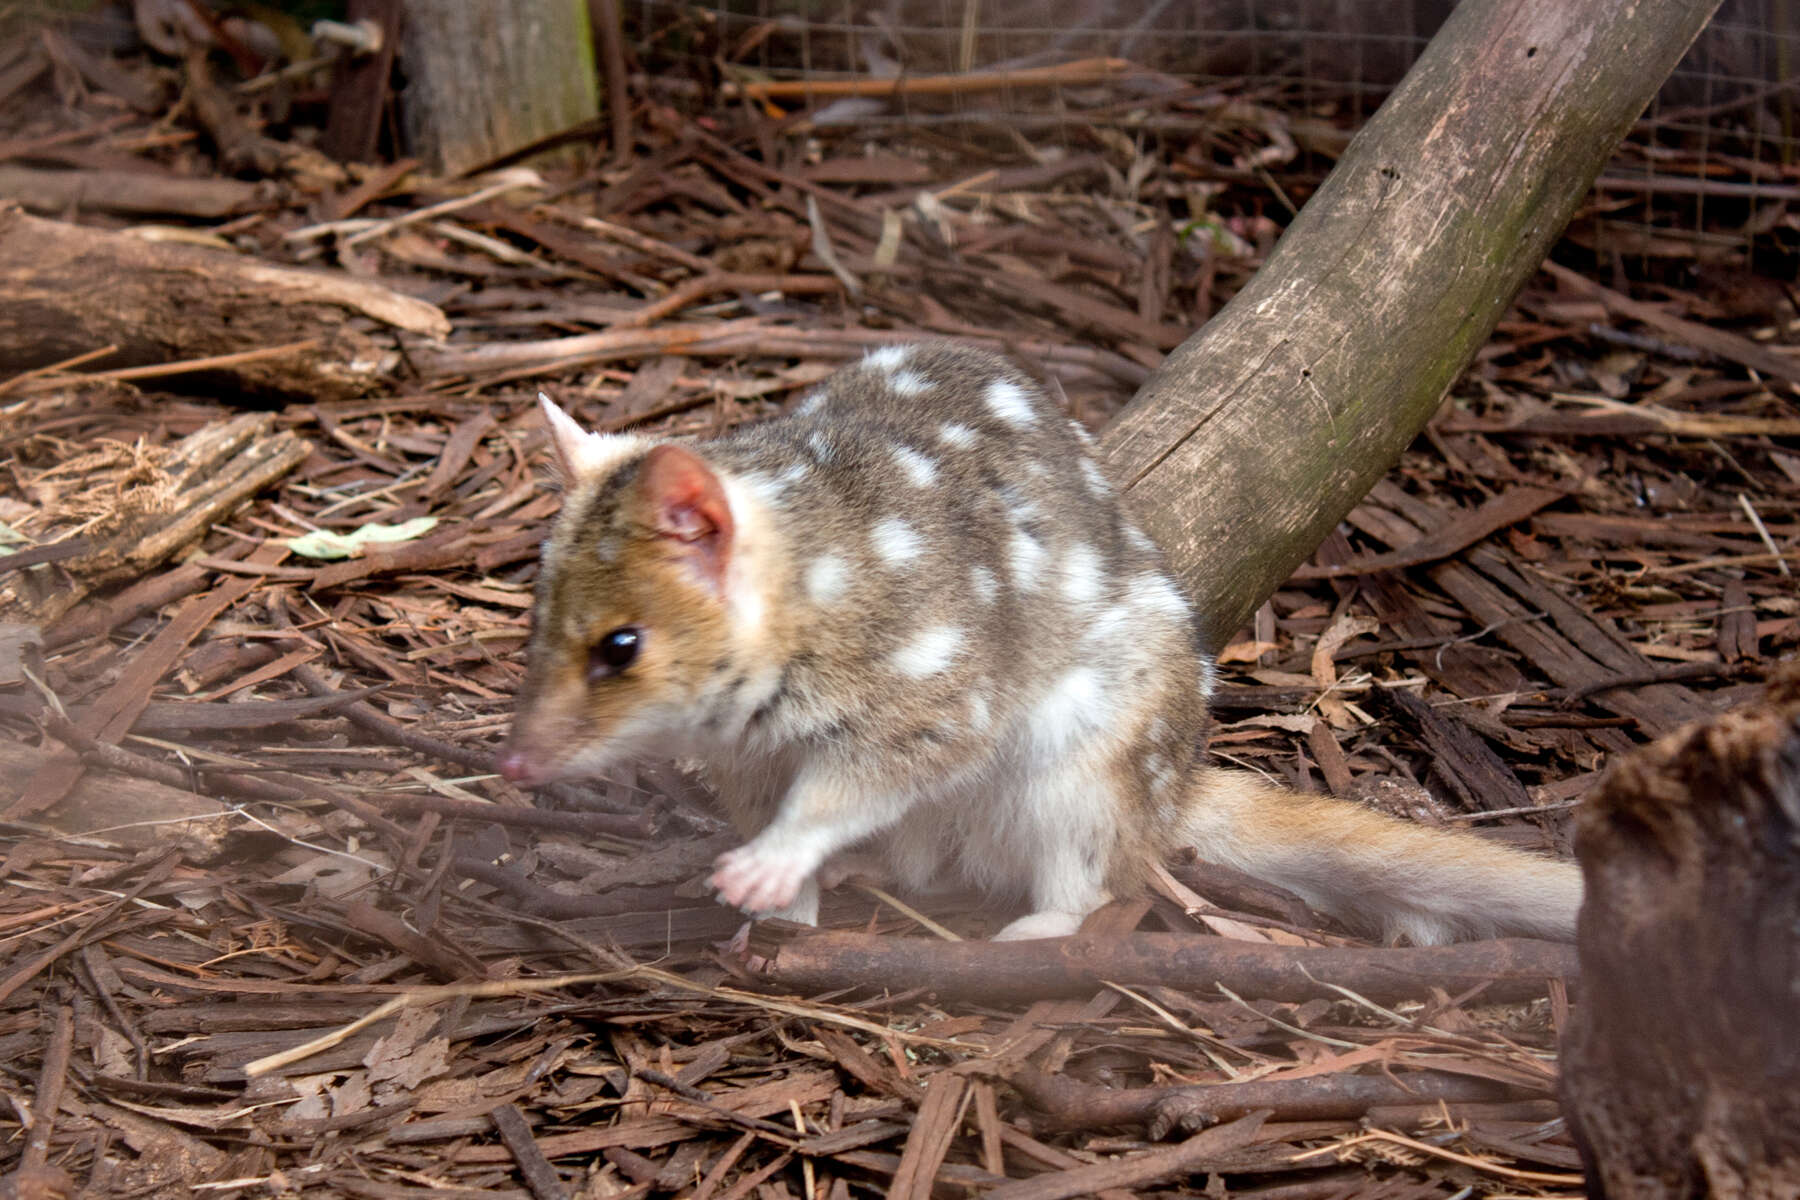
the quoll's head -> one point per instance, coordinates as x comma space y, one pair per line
630, 619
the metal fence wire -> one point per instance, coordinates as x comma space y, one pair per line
1709, 176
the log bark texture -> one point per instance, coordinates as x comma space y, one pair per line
66, 290
487, 77
1067, 1103
1014, 972
1681, 1068
1258, 434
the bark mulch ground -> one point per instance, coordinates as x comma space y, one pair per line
269, 924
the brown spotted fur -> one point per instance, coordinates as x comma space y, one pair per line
1000, 686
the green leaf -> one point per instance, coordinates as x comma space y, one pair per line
327, 543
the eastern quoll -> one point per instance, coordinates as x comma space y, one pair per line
914, 617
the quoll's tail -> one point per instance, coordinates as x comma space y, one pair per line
1377, 874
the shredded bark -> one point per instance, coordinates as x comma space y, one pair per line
247, 792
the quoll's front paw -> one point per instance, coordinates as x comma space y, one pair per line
758, 880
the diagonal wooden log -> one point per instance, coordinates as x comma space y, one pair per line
1681, 1067
1263, 429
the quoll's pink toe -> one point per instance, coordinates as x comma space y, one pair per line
514, 767
755, 883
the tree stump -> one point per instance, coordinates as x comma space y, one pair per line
1681, 1067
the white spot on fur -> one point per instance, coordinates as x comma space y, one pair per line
909, 383
1081, 433
1139, 540
1209, 676
1096, 480
812, 404
985, 585
1008, 401
1019, 509
957, 437
887, 358
1075, 707
1109, 626
980, 717
794, 474
767, 489
1025, 555
827, 578
1155, 594
1082, 574
895, 542
820, 446
742, 590
919, 470
929, 653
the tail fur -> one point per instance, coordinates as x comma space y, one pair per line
1380, 875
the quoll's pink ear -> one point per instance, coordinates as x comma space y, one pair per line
685, 502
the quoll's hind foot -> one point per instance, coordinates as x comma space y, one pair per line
1040, 925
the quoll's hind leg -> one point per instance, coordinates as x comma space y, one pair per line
1063, 833
854, 866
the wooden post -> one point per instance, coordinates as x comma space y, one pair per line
487, 77
1681, 1066
1263, 429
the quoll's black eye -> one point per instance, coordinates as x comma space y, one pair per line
614, 652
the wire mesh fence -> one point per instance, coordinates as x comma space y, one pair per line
1709, 176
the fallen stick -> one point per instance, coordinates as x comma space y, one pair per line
1136, 1170
1070, 1104
720, 339
1719, 342
1081, 71
1511, 968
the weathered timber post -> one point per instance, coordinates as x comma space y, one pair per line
488, 77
